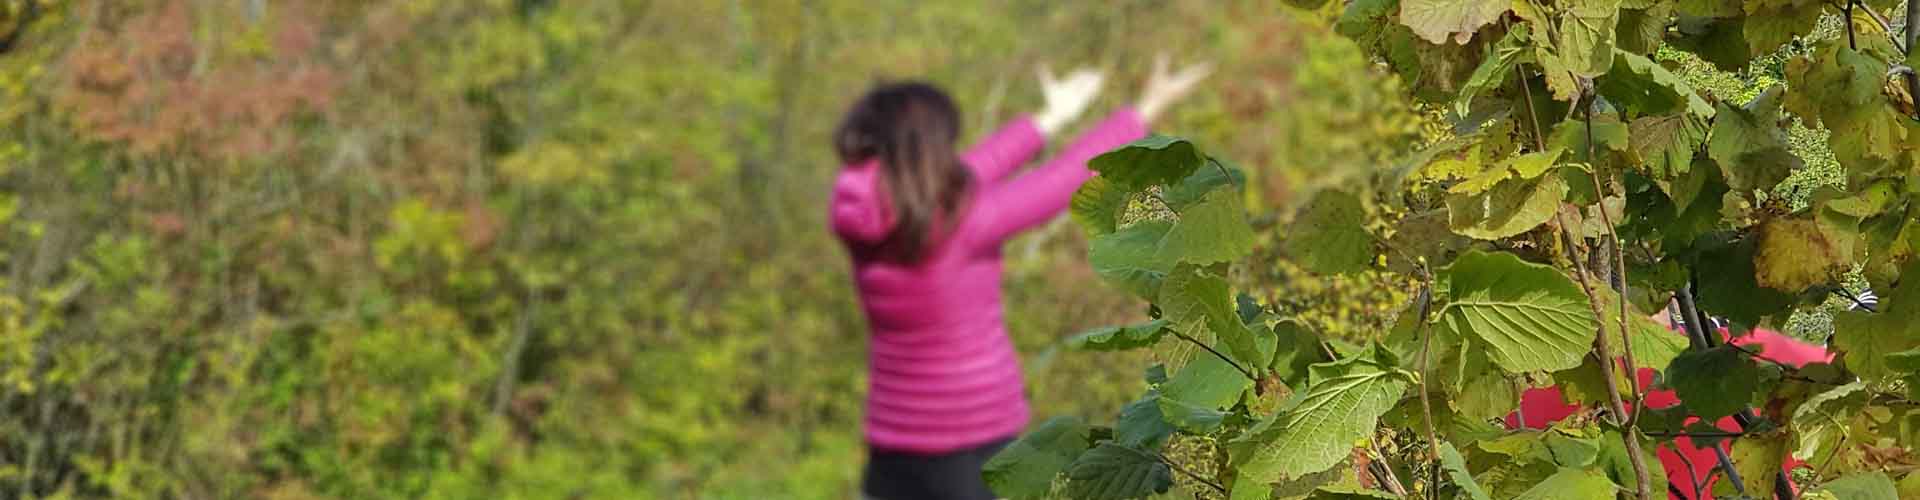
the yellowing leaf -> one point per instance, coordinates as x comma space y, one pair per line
1794, 254
1436, 20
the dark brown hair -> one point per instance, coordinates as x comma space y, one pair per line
911, 128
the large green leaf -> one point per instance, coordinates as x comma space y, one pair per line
1456, 468
1511, 207
1644, 87
1113, 471
1866, 338
1572, 484
1129, 258
1437, 20
1330, 235
1213, 230
1098, 204
1026, 468
1196, 302
1119, 338
1873, 485
1529, 316
1749, 144
1714, 382
1152, 160
1316, 428
1586, 36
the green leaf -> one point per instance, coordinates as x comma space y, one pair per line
1714, 382
1113, 471
1794, 254
1212, 230
1119, 338
1456, 468
1718, 39
1772, 23
1495, 68
1129, 258
1330, 235
1866, 338
1192, 400
1749, 145
1644, 87
1572, 484
1844, 88
1728, 289
1641, 30
1586, 36
1316, 428
1615, 460
1141, 425
1524, 167
1529, 316
1512, 207
1874, 485
1195, 302
1436, 20
1196, 187
1026, 467
1666, 144
1296, 352
1152, 160
1822, 421
1098, 204
1758, 458
1349, 492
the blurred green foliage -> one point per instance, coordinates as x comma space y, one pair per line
536, 249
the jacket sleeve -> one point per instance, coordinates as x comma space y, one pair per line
1004, 151
1005, 208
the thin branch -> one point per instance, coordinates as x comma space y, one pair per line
1426, 366
1393, 480
1619, 275
1223, 357
1697, 434
1195, 476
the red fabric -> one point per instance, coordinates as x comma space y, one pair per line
1544, 406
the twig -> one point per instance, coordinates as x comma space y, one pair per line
1698, 434
1195, 476
1223, 357
1393, 480
1619, 275
1426, 367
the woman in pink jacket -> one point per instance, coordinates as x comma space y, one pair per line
924, 224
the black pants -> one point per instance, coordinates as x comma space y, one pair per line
893, 475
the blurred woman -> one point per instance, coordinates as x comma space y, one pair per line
924, 223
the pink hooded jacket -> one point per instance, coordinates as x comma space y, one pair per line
942, 374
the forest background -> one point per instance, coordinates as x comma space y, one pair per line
564, 249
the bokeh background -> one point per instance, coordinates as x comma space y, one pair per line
563, 249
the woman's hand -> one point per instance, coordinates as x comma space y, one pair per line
1066, 97
1164, 87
